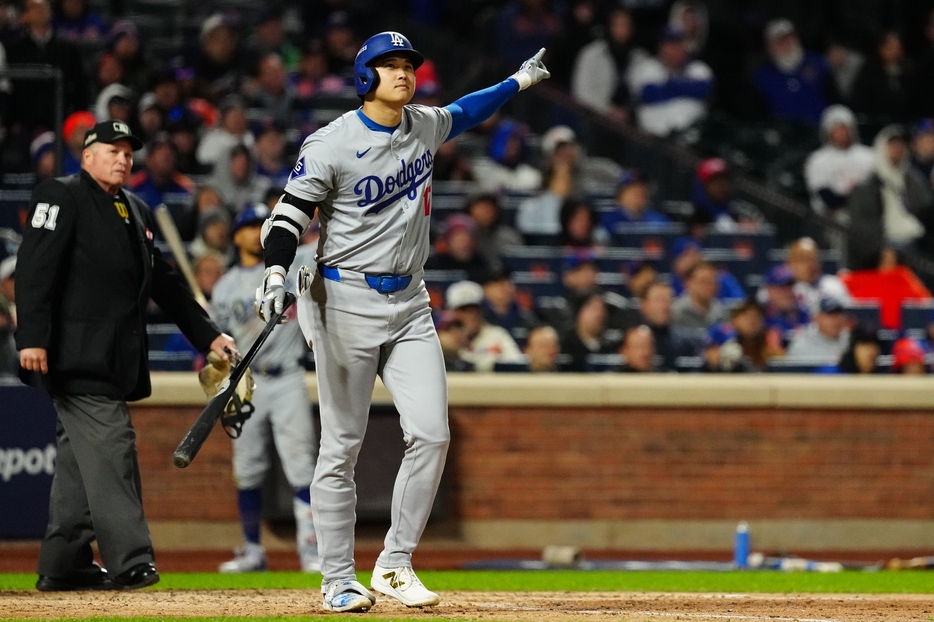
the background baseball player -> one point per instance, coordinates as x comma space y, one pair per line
366, 309
282, 418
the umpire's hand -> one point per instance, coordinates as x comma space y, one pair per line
224, 347
34, 359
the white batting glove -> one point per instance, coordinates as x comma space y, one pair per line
532, 71
270, 297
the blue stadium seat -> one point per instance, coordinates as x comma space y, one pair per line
656, 240
752, 245
916, 315
865, 312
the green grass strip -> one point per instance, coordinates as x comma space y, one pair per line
849, 582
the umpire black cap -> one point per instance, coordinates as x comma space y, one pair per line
109, 132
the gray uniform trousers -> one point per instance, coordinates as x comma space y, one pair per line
358, 333
96, 490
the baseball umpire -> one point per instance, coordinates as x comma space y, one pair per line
366, 308
86, 270
282, 420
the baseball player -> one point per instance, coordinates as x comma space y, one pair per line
282, 412
364, 305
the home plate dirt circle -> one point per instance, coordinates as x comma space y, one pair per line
512, 606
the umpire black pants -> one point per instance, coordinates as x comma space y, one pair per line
96, 491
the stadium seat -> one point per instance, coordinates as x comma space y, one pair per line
866, 312
916, 315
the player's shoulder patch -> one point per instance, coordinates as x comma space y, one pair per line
299, 169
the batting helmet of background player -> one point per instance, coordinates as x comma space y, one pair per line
365, 79
254, 214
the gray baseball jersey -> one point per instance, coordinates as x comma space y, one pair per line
283, 411
372, 188
372, 185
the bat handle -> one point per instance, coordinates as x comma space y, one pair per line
181, 459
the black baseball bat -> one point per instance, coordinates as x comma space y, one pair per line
201, 428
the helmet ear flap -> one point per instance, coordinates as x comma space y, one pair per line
367, 80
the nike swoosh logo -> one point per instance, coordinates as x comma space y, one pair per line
361, 154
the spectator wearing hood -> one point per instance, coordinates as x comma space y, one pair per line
632, 203
795, 84
671, 90
885, 83
457, 249
115, 102
598, 76
893, 207
833, 171
714, 203
506, 166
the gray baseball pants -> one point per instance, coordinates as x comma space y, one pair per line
357, 334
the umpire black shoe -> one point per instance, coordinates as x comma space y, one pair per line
92, 578
140, 575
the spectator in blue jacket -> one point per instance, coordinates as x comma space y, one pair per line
796, 84
632, 202
671, 90
686, 253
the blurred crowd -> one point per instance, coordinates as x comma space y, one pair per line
224, 112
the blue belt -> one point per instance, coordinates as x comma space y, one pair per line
383, 283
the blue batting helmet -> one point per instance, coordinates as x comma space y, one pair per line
253, 214
365, 79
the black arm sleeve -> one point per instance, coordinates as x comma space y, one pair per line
280, 247
305, 205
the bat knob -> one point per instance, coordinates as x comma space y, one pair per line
181, 460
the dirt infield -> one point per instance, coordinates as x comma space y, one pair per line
512, 606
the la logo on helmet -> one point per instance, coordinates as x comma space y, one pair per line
396, 39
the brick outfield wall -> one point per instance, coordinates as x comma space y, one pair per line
616, 463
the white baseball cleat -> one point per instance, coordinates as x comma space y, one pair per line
249, 558
402, 584
347, 596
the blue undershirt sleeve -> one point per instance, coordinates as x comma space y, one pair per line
474, 108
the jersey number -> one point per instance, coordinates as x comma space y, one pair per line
45, 216
428, 201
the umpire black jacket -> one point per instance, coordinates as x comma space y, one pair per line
82, 287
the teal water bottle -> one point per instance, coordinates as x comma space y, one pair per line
741, 546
